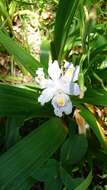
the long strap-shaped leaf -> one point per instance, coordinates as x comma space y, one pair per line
96, 97
5, 14
85, 184
77, 183
92, 121
93, 96
19, 163
20, 54
65, 13
16, 101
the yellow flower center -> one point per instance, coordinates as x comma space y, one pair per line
69, 72
61, 101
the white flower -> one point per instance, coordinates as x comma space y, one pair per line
58, 86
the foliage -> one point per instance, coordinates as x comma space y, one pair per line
55, 152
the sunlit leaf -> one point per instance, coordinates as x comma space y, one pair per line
94, 124
20, 54
44, 54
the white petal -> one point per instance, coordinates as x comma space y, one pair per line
76, 73
54, 71
69, 88
58, 112
42, 82
68, 65
40, 72
62, 104
65, 87
40, 78
59, 100
74, 89
68, 108
68, 73
46, 96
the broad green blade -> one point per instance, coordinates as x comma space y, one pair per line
51, 175
47, 171
15, 101
19, 163
20, 54
94, 124
74, 150
53, 185
55, 175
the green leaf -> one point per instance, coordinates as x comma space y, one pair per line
12, 130
85, 184
20, 54
64, 17
99, 43
44, 54
95, 97
99, 47
3, 9
68, 181
102, 73
92, 121
53, 185
74, 149
19, 164
12, 8
54, 176
15, 101
5, 14
48, 172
